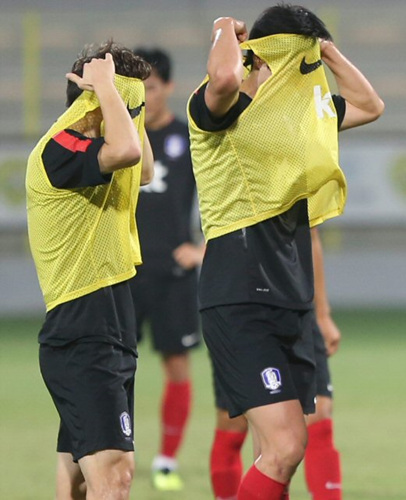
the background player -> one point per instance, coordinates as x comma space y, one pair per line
322, 460
165, 288
83, 180
256, 283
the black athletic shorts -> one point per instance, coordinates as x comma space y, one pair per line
169, 305
261, 355
92, 386
323, 378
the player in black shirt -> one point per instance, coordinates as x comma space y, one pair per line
268, 323
165, 288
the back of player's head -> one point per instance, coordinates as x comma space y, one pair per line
286, 18
125, 61
159, 60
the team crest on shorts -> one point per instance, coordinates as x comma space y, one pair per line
125, 422
271, 377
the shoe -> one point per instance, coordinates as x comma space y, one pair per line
166, 480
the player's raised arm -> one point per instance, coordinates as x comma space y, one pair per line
363, 105
224, 66
122, 147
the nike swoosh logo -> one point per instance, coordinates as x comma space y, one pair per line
306, 68
190, 340
135, 111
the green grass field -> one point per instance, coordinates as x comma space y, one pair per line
370, 415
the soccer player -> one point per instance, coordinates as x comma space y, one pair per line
82, 183
265, 157
322, 460
165, 288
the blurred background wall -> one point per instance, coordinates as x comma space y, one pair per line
365, 249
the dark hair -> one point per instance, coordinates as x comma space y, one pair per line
125, 61
158, 59
287, 18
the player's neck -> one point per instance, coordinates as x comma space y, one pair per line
250, 85
89, 125
160, 121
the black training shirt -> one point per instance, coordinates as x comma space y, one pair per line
165, 205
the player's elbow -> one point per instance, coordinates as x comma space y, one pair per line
379, 108
127, 157
374, 109
121, 156
225, 81
132, 153
147, 176
362, 114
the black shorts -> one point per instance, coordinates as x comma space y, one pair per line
92, 386
169, 305
323, 378
260, 355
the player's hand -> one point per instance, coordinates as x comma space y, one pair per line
97, 71
330, 332
327, 49
240, 28
188, 255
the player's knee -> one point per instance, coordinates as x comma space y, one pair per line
124, 481
124, 475
293, 454
324, 410
114, 481
284, 458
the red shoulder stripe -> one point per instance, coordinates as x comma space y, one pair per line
71, 142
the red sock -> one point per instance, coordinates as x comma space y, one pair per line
257, 486
226, 464
175, 410
322, 463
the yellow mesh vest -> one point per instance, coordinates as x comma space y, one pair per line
282, 148
86, 238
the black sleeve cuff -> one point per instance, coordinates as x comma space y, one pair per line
91, 173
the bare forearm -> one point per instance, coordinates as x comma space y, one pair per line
122, 144
224, 65
147, 172
225, 54
321, 303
